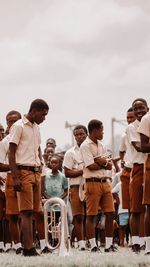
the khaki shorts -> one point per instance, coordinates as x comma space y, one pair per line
30, 196
125, 181
77, 206
98, 195
11, 197
146, 189
136, 188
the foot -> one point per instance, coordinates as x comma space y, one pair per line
10, 250
82, 249
2, 250
142, 247
112, 248
95, 249
19, 250
147, 253
30, 252
45, 250
136, 248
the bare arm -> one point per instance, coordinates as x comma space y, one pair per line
137, 146
4, 167
65, 193
12, 164
72, 173
145, 145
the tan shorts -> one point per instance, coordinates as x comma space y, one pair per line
125, 181
146, 189
11, 197
136, 188
98, 195
77, 206
30, 196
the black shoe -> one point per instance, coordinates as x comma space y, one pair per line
147, 253
142, 247
136, 248
45, 250
19, 250
95, 249
30, 252
82, 249
2, 250
112, 248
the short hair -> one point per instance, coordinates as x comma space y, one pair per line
13, 112
94, 124
52, 141
80, 126
141, 100
1, 128
130, 110
39, 104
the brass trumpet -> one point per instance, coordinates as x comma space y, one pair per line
56, 228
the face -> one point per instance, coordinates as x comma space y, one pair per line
99, 133
51, 143
2, 133
80, 136
54, 163
11, 119
140, 109
39, 115
130, 117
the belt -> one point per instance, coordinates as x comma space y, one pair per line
74, 185
127, 169
98, 180
29, 168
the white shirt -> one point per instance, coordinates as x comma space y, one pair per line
73, 160
134, 136
125, 146
117, 189
27, 138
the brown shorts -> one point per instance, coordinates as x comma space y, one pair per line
30, 196
125, 181
11, 197
146, 189
136, 188
98, 195
77, 206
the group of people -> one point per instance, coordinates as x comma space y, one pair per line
86, 177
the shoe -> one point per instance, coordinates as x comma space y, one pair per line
19, 250
30, 252
142, 247
147, 253
2, 250
45, 250
95, 249
82, 249
112, 248
136, 248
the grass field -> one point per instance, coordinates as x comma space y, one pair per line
123, 258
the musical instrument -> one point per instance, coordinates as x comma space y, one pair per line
56, 227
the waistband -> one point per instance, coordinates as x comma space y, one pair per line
74, 185
98, 180
127, 169
29, 168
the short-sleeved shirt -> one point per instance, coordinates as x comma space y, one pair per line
90, 150
73, 160
134, 136
27, 138
4, 146
144, 127
125, 146
117, 189
55, 185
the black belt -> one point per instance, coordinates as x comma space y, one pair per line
74, 185
28, 168
98, 180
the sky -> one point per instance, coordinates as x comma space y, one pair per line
87, 59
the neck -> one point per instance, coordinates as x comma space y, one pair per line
93, 139
54, 172
30, 118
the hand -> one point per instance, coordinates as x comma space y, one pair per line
17, 184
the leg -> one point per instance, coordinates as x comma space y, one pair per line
27, 229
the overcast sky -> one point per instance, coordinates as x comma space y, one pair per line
89, 59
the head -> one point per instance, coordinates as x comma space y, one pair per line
2, 133
96, 130
140, 108
130, 116
80, 133
11, 118
38, 110
55, 162
51, 143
